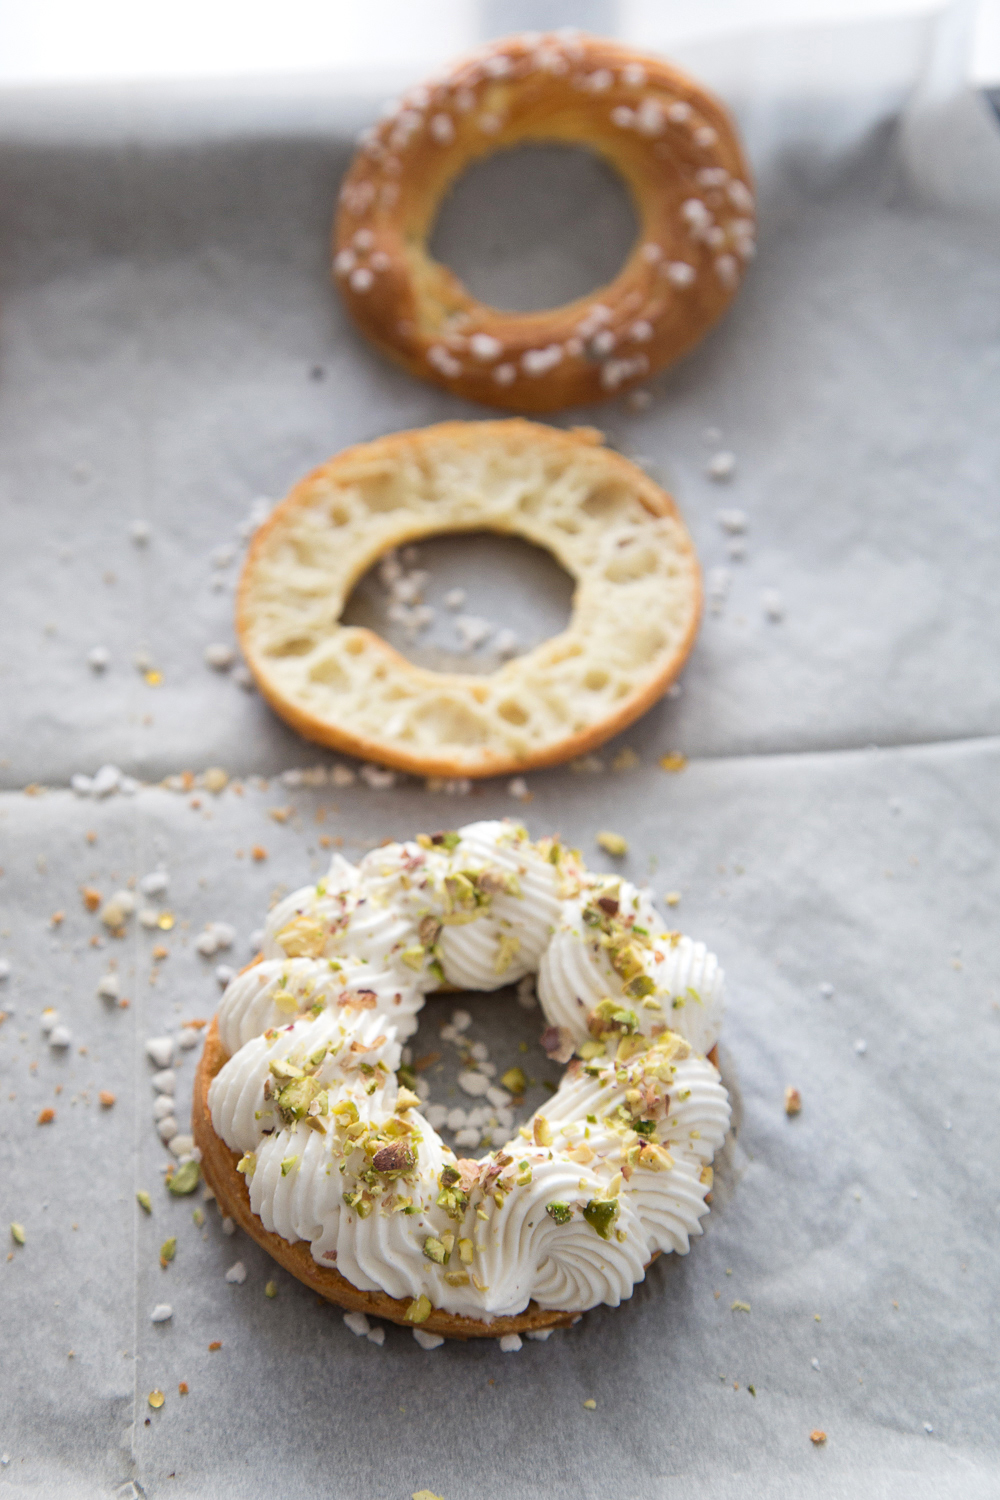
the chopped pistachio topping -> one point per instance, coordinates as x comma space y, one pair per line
287, 1165
612, 843
542, 1131
303, 937
454, 1202
601, 1214
17, 1233
168, 1249
429, 930
247, 1164
609, 1019
465, 1252
284, 1070
185, 1179
508, 947
560, 1212
144, 1201
271, 1289
294, 1099
286, 1002
394, 1159
419, 1310
514, 1081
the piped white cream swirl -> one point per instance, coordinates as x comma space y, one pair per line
276, 991
577, 970
508, 940
372, 912
569, 1213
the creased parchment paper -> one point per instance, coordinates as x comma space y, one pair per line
164, 310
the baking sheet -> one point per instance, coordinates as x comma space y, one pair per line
164, 307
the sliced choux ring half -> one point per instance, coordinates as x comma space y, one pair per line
635, 610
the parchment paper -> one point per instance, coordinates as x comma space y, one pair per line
164, 305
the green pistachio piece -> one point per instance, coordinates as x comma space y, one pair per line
601, 1214
461, 891
419, 1310
284, 1070
560, 1212
185, 1179
454, 1202
626, 961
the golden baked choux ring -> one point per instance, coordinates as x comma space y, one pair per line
636, 598
672, 142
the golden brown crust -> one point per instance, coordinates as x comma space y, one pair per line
218, 1164
670, 139
412, 447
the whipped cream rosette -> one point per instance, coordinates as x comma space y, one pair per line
336, 1154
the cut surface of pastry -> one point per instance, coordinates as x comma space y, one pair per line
635, 612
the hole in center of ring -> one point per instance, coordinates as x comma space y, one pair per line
477, 1059
536, 226
463, 603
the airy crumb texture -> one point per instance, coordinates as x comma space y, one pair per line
671, 141
636, 603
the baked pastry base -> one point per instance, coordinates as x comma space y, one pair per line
457, 724
421, 315
218, 1165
